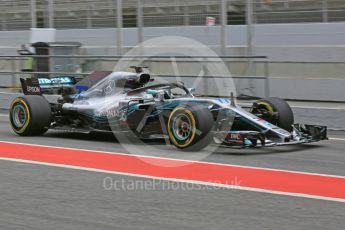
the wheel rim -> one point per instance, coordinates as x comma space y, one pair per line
268, 109
19, 116
182, 127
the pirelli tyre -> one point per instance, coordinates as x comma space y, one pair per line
276, 111
189, 127
30, 115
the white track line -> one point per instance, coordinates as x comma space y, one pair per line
337, 139
182, 181
318, 107
340, 108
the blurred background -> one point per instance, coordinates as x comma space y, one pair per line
294, 49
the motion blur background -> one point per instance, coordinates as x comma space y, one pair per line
294, 49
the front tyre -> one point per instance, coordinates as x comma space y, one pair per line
30, 115
189, 127
276, 111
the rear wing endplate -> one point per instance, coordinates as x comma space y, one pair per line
30, 86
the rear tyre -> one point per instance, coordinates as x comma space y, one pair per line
275, 111
30, 115
189, 127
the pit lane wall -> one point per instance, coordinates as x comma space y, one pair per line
320, 82
307, 60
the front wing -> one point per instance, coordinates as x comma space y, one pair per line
245, 139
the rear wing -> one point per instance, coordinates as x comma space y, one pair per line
37, 86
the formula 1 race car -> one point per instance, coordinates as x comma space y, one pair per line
130, 103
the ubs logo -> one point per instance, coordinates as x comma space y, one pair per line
236, 136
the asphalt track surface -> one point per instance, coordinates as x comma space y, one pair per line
44, 197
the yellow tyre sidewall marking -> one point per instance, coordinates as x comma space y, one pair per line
171, 135
267, 106
27, 122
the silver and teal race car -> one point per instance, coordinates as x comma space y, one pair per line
132, 104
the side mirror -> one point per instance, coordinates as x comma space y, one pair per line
151, 91
159, 94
